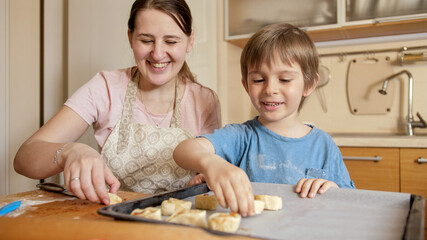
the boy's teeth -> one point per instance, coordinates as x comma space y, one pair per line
272, 104
159, 65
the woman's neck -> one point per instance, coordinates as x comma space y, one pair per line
157, 99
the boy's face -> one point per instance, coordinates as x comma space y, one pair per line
276, 91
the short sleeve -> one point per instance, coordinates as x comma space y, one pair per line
229, 142
90, 99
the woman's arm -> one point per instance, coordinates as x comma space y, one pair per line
35, 158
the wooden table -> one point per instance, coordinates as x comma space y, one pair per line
46, 215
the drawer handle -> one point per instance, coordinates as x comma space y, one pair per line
376, 158
421, 160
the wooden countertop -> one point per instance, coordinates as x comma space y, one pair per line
379, 140
46, 215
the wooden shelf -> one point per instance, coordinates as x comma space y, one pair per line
360, 31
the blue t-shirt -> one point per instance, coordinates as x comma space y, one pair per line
269, 157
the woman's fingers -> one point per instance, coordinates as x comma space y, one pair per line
111, 180
87, 185
74, 184
98, 181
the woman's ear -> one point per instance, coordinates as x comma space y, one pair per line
190, 42
130, 37
312, 87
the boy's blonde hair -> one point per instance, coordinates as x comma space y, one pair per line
290, 43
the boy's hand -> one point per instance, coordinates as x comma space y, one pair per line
231, 186
310, 187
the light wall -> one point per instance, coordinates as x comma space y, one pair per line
237, 108
4, 98
24, 81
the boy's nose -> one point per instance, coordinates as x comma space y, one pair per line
271, 87
158, 51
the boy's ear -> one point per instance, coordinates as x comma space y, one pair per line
245, 85
313, 86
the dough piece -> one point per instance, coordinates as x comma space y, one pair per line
149, 212
206, 202
226, 222
114, 199
189, 217
271, 202
173, 205
259, 206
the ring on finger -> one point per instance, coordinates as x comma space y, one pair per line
75, 179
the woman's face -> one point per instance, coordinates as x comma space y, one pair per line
159, 46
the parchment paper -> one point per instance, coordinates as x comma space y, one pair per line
337, 214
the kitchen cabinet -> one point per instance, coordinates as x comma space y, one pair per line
326, 20
399, 170
373, 168
413, 173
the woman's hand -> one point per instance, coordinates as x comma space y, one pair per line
310, 187
86, 174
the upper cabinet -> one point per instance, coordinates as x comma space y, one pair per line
326, 20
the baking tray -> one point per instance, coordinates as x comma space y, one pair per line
366, 214
121, 211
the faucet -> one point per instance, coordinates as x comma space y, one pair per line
411, 124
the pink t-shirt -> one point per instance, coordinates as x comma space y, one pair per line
100, 103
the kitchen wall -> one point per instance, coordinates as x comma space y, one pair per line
4, 101
24, 82
236, 106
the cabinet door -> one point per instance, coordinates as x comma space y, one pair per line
414, 171
373, 168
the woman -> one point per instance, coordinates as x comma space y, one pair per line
139, 114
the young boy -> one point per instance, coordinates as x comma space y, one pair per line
279, 67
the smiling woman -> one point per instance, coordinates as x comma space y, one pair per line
139, 114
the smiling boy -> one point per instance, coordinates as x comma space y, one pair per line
279, 66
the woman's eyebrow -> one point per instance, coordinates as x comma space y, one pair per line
145, 35
152, 36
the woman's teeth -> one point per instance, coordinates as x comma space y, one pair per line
159, 65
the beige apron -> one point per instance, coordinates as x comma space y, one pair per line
140, 155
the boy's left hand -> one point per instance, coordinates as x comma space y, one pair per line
310, 187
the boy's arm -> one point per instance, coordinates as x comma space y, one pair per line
230, 184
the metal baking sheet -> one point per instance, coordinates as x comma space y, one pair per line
337, 214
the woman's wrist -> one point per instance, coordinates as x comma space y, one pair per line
58, 160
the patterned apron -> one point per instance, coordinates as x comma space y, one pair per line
140, 155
